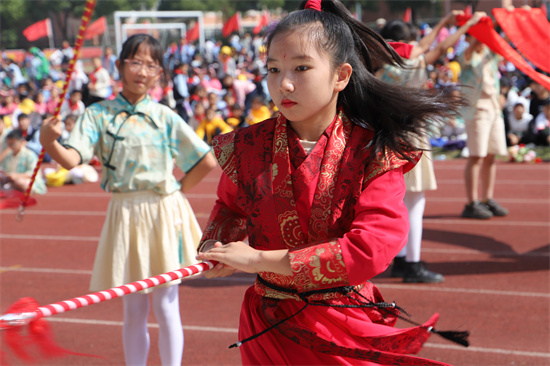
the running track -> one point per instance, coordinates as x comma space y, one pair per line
497, 275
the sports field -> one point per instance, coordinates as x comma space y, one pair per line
497, 275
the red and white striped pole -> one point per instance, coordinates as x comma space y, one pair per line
86, 16
14, 319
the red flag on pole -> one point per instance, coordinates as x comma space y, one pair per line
233, 24
96, 28
38, 30
193, 33
264, 21
407, 18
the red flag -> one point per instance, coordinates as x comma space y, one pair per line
96, 28
407, 18
468, 10
544, 10
38, 30
233, 24
193, 33
264, 21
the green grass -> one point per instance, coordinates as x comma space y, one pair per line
543, 152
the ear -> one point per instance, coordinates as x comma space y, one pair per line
343, 76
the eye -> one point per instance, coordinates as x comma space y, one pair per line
302, 68
272, 70
135, 63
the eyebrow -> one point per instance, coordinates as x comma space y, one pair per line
299, 57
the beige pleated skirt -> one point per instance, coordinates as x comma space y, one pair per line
422, 177
145, 234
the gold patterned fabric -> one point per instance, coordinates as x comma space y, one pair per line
258, 160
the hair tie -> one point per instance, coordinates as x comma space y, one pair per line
313, 4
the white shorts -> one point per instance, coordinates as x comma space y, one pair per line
486, 133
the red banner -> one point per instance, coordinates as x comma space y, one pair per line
96, 28
233, 24
264, 22
193, 34
484, 33
529, 31
38, 30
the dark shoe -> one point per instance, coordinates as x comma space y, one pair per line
398, 267
416, 272
495, 208
477, 210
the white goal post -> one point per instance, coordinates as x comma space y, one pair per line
119, 28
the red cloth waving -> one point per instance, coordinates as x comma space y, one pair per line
529, 31
484, 32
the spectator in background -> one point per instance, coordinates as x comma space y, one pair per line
380, 23
3, 133
199, 95
258, 111
212, 125
170, 56
79, 78
18, 164
198, 115
484, 127
215, 103
40, 104
39, 66
238, 88
542, 125
227, 64
537, 98
68, 125
53, 101
519, 122
7, 107
14, 72
25, 106
73, 105
181, 90
237, 119
31, 134
67, 51
184, 53
99, 85
109, 62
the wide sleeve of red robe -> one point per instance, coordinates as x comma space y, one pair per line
342, 219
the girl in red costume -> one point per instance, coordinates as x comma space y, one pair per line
318, 191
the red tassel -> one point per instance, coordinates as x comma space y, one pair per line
38, 336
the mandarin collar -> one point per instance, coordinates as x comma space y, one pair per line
142, 107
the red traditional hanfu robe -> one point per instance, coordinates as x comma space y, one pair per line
342, 219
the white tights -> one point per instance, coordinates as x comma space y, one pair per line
136, 336
415, 202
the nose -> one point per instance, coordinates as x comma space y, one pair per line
286, 85
143, 70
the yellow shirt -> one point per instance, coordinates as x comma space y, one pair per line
208, 129
258, 115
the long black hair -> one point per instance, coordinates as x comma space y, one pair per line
397, 115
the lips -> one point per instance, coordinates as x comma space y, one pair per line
287, 103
